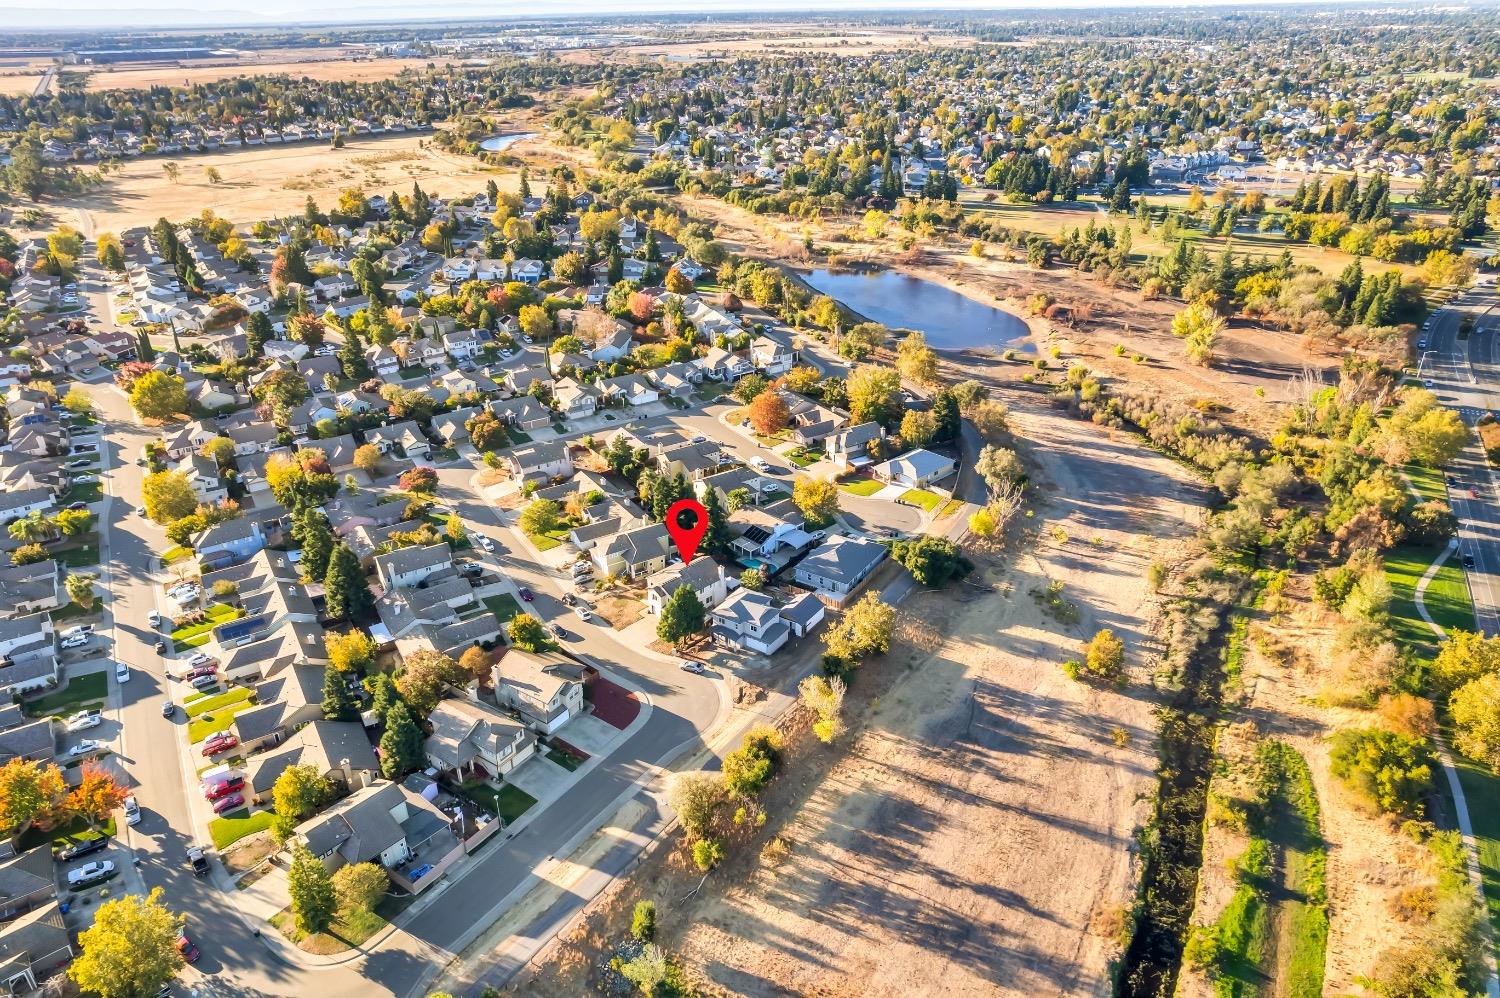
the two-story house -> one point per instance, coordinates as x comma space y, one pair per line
548, 692
472, 740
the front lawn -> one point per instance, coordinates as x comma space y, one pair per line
234, 696
445, 454
929, 501
227, 831
216, 721
82, 556
85, 492
517, 437
508, 802
803, 457
60, 836
414, 371
347, 931
217, 613
566, 760
503, 606
862, 486
176, 553
82, 691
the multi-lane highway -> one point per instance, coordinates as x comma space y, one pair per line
1459, 354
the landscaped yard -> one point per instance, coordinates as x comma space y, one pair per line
81, 556
227, 831
218, 613
214, 721
802, 456
862, 486
929, 501
176, 553
76, 830
503, 606
86, 492
346, 932
566, 760
204, 704
82, 691
518, 436
508, 802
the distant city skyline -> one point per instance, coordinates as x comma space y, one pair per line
84, 14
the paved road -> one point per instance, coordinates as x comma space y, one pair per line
1465, 374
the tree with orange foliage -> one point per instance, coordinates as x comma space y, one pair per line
29, 794
768, 412
97, 795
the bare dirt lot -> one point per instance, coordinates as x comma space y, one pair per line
317, 66
272, 180
974, 833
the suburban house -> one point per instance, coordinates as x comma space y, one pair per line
915, 469
472, 740
753, 621
339, 750
703, 575
540, 461
634, 553
546, 691
850, 449
524, 413
721, 365
24, 502
228, 542
404, 438
203, 475
575, 400
837, 567
34, 588
34, 940
631, 389
384, 823
771, 356
406, 567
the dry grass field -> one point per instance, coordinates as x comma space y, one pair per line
187, 73
272, 180
770, 41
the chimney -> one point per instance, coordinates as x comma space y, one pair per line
348, 773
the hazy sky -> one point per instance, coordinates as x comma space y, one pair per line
197, 13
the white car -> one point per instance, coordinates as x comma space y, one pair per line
200, 658
76, 641
696, 668
77, 630
84, 720
122, 672
584, 613
91, 873
132, 811
141, 512
759, 463
84, 748
486, 543
154, 618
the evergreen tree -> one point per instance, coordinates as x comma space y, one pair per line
347, 593
945, 411
525, 189
311, 529
1120, 199
143, 348
338, 705
717, 537
682, 615
257, 331
352, 356
314, 902
401, 743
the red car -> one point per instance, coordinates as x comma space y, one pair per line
231, 803
203, 670
187, 949
223, 788
526, 594
221, 742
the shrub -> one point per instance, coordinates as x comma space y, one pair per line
643, 921
1389, 770
708, 853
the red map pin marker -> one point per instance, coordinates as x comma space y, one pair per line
687, 521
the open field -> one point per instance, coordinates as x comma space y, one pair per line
772, 40
317, 67
272, 180
975, 830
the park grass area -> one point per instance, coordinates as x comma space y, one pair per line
1427, 483
1447, 597
508, 802
1482, 795
503, 606
204, 704
348, 930
61, 836
82, 691
862, 486
227, 831
213, 722
929, 501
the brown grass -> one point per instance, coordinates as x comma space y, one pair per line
181, 74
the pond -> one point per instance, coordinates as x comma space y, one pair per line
500, 143
949, 320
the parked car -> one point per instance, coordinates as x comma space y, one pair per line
1468, 561
154, 618
569, 599
189, 952
558, 633
220, 742
200, 658
78, 505
207, 669
85, 719
122, 672
80, 463
87, 747
759, 463
197, 860
78, 850
91, 875
219, 789
688, 665
77, 630
699, 439
76, 641
526, 594
132, 811
204, 682
485, 543
161, 645
584, 613
168, 708
231, 803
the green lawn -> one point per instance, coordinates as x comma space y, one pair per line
82, 691
509, 803
1447, 596
348, 930
950, 507
445, 454
83, 556
87, 492
503, 606
76, 830
566, 760
518, 436
237, 695
194, 642
929, 501
212, 723
803, 457
862, 486
218, 613
1482, 794
549, 540
227, 831
415, 370
1427, 483
67, 612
